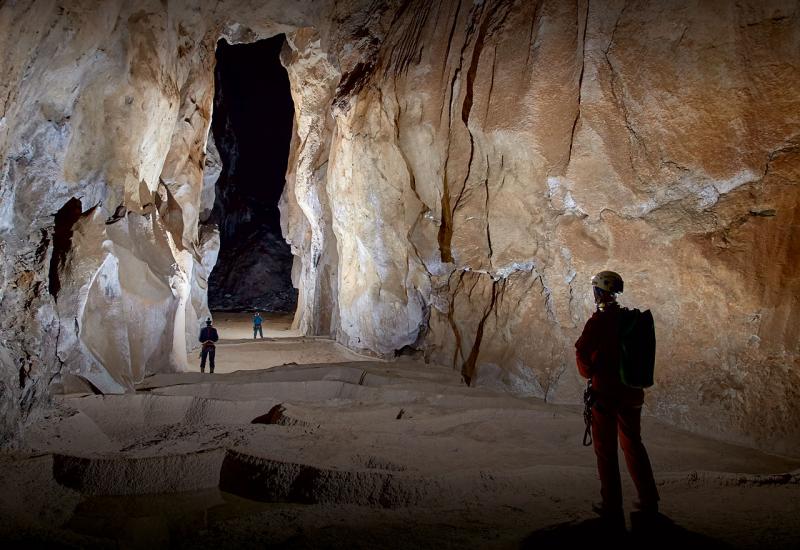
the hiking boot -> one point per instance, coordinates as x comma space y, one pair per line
648, 508
614, 517
603, 510
646, 524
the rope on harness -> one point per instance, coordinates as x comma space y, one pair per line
588, 402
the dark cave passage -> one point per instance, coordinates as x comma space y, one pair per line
252, 129
65, 219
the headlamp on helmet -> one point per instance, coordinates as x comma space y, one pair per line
608, 281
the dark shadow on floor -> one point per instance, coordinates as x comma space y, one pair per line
656, 533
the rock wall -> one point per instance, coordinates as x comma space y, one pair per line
106, 108
458, 172
523, 146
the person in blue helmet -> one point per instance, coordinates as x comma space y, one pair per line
257, 321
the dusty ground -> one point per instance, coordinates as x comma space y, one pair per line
238, 351
239, 326
348, 451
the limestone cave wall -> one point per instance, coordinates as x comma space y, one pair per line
523, 146
458, 171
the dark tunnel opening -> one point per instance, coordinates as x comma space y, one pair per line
65, 219
252, 129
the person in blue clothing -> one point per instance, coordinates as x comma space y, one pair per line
209, 337
257, 325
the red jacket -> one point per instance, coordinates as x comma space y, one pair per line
597, 355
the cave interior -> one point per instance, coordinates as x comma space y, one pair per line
430, 187
252, 128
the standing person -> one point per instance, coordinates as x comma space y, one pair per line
617, 408
208, 336
257, 326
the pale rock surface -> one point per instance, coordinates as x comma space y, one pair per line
659, 140
212, 169
206, 248
459, 170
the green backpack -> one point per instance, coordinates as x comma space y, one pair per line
637, 358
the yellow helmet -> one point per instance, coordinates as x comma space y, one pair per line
608, 281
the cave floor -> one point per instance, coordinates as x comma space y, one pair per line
348, 451
236, 325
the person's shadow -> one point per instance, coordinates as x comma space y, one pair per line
646, 532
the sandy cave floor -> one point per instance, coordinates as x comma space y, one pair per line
352, 452
238, 351
239, 325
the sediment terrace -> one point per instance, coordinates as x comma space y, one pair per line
392, 442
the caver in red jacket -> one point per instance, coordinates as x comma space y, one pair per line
617, 409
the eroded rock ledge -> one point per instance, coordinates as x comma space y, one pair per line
458, 171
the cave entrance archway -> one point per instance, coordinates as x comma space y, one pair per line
252, 129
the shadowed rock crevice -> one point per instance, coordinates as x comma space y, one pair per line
581, 25
468, 368
65, 219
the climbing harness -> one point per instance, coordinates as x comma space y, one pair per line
588, 403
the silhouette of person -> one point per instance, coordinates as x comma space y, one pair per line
257, 325
208, 336
617, 408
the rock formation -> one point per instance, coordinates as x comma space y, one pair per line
457, 172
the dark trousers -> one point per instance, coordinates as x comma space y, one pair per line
607, 421
257, 330
208, 351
